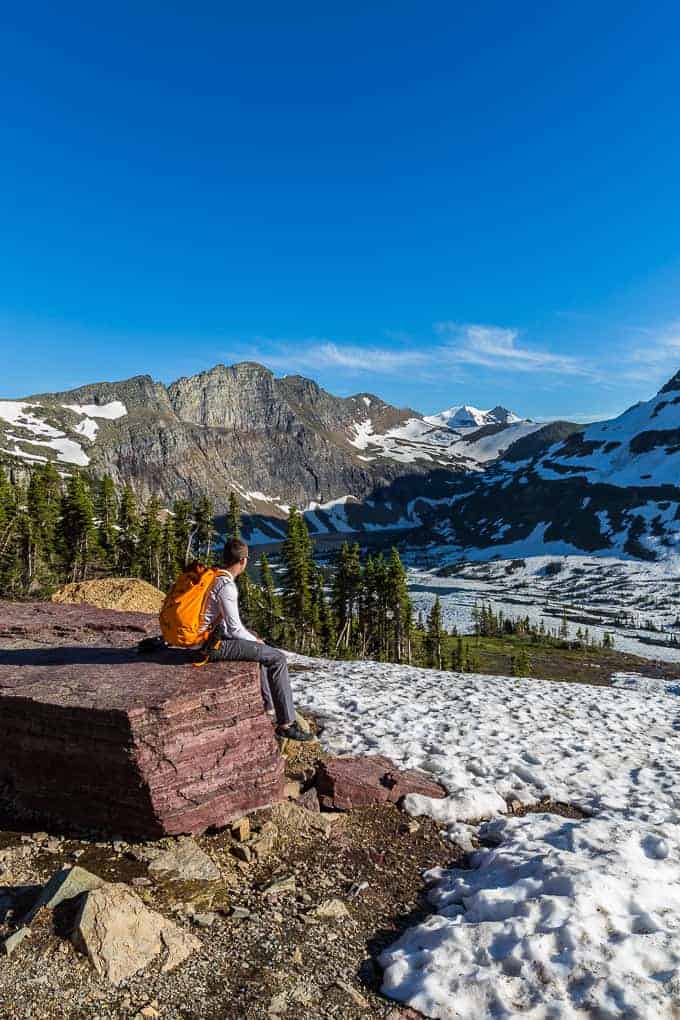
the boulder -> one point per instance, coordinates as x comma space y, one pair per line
97, 737
353, 782
184, 861
121, 936
66, 884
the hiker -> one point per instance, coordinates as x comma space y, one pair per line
229, 640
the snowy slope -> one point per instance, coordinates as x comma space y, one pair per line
640, 447
464, 446
30, 425
557, 918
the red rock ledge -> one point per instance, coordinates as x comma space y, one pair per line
98, 737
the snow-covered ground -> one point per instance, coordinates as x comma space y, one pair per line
557, 917
623, 597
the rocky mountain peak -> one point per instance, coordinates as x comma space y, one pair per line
139, 393
237, 396
502, 415
466, 416
672, 385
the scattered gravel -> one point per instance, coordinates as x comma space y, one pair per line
294, 932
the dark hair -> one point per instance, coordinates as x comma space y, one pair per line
234, 550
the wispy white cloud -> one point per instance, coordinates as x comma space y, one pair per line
655, 353
497, 348
318, 354
370, 358
456, 352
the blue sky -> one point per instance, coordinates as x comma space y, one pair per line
437, 202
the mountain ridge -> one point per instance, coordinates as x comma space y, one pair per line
359, 465
276, 440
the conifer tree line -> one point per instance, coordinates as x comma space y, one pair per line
54, 530
489, 623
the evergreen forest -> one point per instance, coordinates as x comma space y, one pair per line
55, 530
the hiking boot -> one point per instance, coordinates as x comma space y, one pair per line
293, 732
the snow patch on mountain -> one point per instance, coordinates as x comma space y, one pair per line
466, 416
418, 439
37, 432
639, 448
113, 410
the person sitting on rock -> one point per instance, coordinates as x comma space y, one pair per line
231, 641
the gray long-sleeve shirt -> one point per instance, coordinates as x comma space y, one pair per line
221, 606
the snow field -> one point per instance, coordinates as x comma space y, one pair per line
593, 588
111, 411
557, 917
440, 439
21, 414
614, 463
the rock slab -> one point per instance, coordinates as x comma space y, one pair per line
353, 782
98, 737
121, 936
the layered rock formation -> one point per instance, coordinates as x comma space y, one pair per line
97, 737
354, 782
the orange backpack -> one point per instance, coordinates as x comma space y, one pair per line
180, 616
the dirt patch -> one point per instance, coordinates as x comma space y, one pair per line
553, 807
127, 594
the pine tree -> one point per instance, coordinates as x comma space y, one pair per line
233, 517
269, 616
10, 558
150, 543
39, 529
520, 664
205, 529
458, 657
248, 598
248, 595
400, 610
78, 535
345, 596
296, 585
107, 512
368, 609
184, 530
169, 554
325, 621
128, 534
434, 635
382, 641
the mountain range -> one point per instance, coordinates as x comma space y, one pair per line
452, 482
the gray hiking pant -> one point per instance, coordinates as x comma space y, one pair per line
274, 679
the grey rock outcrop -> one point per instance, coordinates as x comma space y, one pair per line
232, 426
